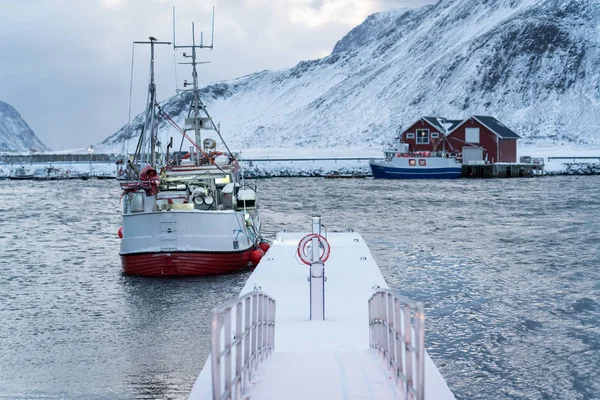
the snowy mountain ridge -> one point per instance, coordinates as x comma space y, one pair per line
15, 134
533, 64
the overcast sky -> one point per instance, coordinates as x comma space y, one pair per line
65, 64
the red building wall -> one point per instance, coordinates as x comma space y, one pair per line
496, 149
508, 150
421, 124
487, 139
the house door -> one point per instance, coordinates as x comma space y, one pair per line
472, 155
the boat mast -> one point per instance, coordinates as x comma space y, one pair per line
196, 98
198, 122
150, 115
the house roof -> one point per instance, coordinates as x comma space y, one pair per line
497, 127
436, 122
446, 126
452, 123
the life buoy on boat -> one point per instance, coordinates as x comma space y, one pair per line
388, 159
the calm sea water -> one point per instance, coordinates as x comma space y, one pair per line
508, 271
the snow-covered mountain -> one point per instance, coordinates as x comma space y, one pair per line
533, 64
15, 134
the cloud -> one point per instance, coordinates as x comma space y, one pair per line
114, 4
66, 64
319, 13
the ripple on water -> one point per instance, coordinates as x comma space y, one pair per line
506, 270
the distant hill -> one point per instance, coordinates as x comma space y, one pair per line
15, 134
533, 64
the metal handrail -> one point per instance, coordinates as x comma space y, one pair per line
391, 331
264, 159
245, 327
574, 158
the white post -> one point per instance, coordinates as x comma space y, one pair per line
317, 276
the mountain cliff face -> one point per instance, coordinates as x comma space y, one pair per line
533, 64
15, 134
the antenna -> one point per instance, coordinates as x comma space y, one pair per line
175, 66
194, 45
212, 35
196, 122
174, 45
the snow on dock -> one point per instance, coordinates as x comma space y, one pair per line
328, 359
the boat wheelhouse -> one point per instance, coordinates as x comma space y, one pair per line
21, 173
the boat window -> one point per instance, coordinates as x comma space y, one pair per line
136, 202
422, 136
223, 181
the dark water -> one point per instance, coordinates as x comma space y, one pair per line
508, 271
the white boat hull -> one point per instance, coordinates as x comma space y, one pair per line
414, 167
186, 242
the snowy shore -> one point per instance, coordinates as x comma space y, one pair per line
280, 162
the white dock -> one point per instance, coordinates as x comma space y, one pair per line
328, 359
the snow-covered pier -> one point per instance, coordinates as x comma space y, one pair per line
337, 332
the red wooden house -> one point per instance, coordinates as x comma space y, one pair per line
478, 138
484, 138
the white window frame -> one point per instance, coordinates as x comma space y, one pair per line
134, 203
435, 135
420, 140
410, 135
472, 135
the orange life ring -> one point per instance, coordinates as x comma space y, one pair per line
323, 243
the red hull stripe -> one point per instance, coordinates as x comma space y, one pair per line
185, 264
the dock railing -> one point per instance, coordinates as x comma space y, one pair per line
397, 330
243, 335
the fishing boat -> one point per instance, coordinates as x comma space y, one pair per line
104, 175
21, 173
74, 174
49, 174
189, 214
400, 163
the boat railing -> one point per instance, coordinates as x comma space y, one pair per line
243, 335
397, 330
420, 154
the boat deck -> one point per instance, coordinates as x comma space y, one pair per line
328, 359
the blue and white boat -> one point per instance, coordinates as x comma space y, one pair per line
401, 164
